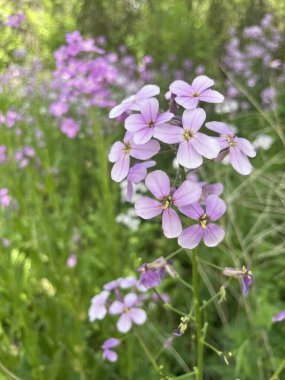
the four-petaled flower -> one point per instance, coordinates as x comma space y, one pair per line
134, 101
211, 233
109, 354
129, 311
143, 125
239, 148
121, 152
158, 184
192, 144
98, 309
188, 96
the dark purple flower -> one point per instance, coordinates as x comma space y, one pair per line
279, 317
109, 354
243, 274
151, 274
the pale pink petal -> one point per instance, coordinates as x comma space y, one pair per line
187, 193
169, 134
135, 122
193, 120
213, 235
138, 316
116, 151
190, 237
110, 355
171, 223
121, 168
110, 343
215, 207
149, 109
147, 91
205, 145
164, 117
124, 323
201, 83
219, 127
119, 109
130, 191
143, 135
239, 161
245, 146
187, 156
116, 307
148, 208
179, 87
188, 102
145, 151
158, 184
138, 172
211, 96
130, 299
194, 211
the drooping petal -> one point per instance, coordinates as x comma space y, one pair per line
128, 282
138, 316
144, 135
135, 123
190, 237
239, 161
130, 299
187, 102
148, 208
158, 184
211, 96
147, 91
145, 151
124, 323
110, 343
219, 127
120, 168
212, 189
245, 146
188, 157
213, 235
119, 109
194, 211
180, 87
193, 120
169, 134
110, 355
117, 307
205, 145
149, 109
138, 172
188, 192
116, 151
201, 83
164, 117
171, 223
215, 207
97, 312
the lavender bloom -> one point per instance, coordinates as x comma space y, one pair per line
151, 274
244, 274
279, 317
98, 308
129, 312
158, 184
134, 101
5, 199
137, 173
212, 189
69, 127
193, 145
112, 285
121, 152
238, 148
11, 118
71, 261
143, 125
188, 96
211, 233
58, 109
3, 154
108, 354
15, 21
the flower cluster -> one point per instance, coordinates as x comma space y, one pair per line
147, 128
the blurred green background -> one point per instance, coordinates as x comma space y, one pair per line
44, 327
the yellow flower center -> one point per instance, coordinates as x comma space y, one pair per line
203, 221
188, 135
127, 148
195, 94
230, 140
126, 310
167, 202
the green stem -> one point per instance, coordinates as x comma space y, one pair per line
199, 340
149, 355
278, 371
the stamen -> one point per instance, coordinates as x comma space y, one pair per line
204, 221
188, 135
167, 202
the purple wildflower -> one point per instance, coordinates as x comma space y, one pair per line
121, 152
109, 354
188, 96
193, 145
158, 184
71, 261
134, 101
98, 308
143, 125
5, 199
15, 21
211, 233
244, 274
239, 148
69, 127
112, 285
58, 109
151, 274
129, 311
279, 317
137, 173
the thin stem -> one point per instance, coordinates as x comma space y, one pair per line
173, 254
278, 371
148, 354
199, 340
185, 376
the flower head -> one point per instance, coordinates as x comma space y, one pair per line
158, 184
109, 354
239, 148
151, 274
211, 233
69, 127
279, 317
98, 308
188, 96
244, 274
